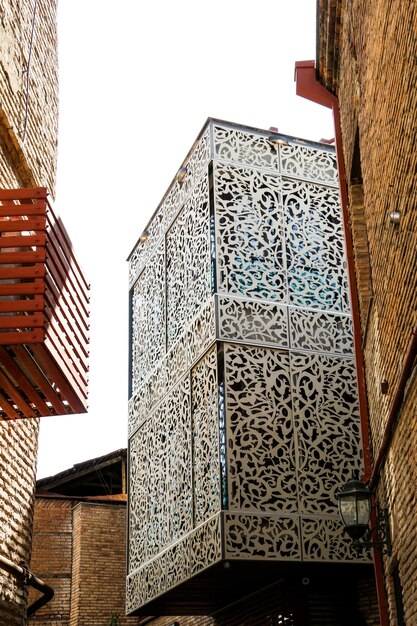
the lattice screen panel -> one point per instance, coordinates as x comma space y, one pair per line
243, 418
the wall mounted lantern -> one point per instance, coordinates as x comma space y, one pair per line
355, 508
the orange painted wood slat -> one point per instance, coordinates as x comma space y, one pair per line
18, 376
63, 328
22, 321
32, 304
7, 408
66, 390
27, 363
55, 305
15, 396
34, 336
61, 244
23, 241
59, 297
61, 271
23, 271
67, 362
64, 355
21, 289
67, 319
10, 226
35, 208
58, 227
12, 258
23, 193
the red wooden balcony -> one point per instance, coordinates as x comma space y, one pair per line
44, 311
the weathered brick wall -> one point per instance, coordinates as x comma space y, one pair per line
52, 558
29, 114
79, 550
24, 161
378, 99
18, 447
99, 565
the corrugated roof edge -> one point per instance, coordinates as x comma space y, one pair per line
121, 453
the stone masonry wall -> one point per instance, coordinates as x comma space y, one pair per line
378, 101
26, 159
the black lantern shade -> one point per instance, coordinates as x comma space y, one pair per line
355, 507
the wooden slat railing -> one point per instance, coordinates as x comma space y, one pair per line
44, 311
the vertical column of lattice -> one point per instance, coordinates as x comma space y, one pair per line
291, 413
173, 325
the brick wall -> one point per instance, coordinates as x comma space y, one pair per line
18, 449
378, 101
52, 558
29, 108
23, 162
79, 549
99, 546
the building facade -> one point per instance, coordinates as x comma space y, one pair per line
243, 415
79, 543
34, 381
366, 64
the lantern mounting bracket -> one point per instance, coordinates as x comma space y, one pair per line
366, 524
379, 536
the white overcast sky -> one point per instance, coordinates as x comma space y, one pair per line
137, 82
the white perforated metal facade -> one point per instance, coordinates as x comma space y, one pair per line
243, 419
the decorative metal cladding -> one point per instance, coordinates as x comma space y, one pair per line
198, 253
197, 162
314, 246
160, 512
178, 461
324, 540
260, 433
139, 362
138, 500
321, 331
243, 418
252, 321
309, 163
206, 544
177, 563
195, 167
149, 242
153, 578
327, 428
135, 592
176, 279
188, 280
205, 428
176, 362
171, 204
202, 331
157, 528
231, 144
249, 233
148, 320
262, 537
147, 397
